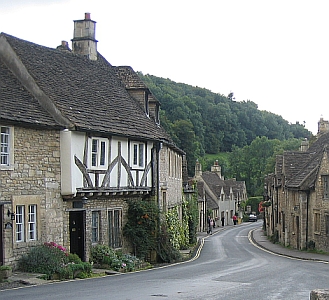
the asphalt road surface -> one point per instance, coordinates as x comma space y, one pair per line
228, 267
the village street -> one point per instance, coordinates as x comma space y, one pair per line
229, 267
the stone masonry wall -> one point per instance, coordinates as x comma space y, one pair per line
35, 179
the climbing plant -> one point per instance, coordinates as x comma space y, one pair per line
141, 227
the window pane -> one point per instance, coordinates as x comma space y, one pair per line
95, 226
32, 222
135, 154
102, 158
114, 217
141, 155
4, 159
19, 223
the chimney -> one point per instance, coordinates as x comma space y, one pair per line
64, 46
323, 126
198, 169
216, 168
304, 145
84, 42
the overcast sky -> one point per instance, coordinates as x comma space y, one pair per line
274, 53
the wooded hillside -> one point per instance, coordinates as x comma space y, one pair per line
201, 121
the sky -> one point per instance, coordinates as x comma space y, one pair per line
274, 53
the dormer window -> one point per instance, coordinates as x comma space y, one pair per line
98, 153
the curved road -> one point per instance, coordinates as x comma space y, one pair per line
228, 267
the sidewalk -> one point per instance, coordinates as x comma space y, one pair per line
262, 241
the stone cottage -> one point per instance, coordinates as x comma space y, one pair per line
297, 194
79, 137
222, 197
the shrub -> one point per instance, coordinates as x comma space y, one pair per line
50, 259
104, 256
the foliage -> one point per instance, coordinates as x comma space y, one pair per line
200, 121
104, 256
253, 202
51, 258
141, 228
252, 163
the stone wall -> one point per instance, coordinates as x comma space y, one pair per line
34, 179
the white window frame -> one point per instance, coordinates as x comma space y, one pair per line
20, 223
138, 155
32, 222
98, 153
7, 147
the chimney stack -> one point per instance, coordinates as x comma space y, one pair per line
84, 42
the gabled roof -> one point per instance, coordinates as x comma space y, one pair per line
85, 94
217, 184
307, 165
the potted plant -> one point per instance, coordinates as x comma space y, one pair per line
5, 272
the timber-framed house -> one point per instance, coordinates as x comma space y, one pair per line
79, 137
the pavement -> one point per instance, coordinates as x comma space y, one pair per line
256, 236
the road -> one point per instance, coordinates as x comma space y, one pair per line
228, 267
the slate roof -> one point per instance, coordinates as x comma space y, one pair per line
216, 184
302, 169
88, 93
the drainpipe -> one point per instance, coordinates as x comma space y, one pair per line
307, 210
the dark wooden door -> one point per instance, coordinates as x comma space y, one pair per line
77, 236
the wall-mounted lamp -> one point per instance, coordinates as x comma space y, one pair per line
84, 200
11, 215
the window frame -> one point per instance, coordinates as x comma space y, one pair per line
8, 155
20, 224
138, 155
98, 153
32, 223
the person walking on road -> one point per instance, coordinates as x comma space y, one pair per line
234, 219
211, 225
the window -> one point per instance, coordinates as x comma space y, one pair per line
20, 223
95, 226
5, 146
32, 223
138, 155
316, 222
26, 223
327, 224
114, 217
98, 152
325, 182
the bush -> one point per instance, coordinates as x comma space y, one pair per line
51, 259
104, 256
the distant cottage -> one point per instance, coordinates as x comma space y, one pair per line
218, 197
79, 137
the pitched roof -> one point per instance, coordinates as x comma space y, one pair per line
88, 94
306, 164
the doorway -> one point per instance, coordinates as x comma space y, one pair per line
77, 234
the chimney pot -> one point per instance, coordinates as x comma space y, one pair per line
87, 16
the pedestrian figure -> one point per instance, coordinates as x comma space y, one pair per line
234, 219
211, 225
208, 221
222, 219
